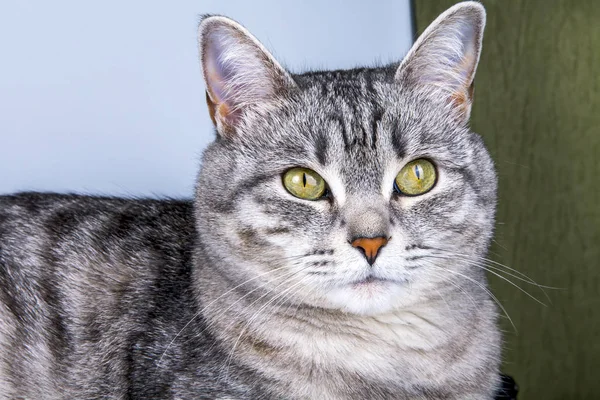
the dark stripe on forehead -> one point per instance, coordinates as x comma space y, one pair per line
376, 117
377, 113
339, 119
321, 145
358, 124
398, 141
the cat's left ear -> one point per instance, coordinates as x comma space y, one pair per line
240, 73
442, 62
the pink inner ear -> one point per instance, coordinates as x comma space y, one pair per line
446, 57
236, 70
239, 72
454, 66
216, 73
465, 64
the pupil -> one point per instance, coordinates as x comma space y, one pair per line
304, 179
418, 171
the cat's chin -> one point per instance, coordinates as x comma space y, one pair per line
368, 297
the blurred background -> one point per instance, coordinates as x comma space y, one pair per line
107, 98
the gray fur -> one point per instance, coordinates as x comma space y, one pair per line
248, 292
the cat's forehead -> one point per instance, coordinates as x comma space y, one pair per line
339, 116
349, 93
360, 121
366, 112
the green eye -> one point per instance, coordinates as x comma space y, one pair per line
417, 177
304, 183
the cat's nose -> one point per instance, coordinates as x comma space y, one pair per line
370, 246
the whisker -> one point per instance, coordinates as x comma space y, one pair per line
248, 306
287, 277
431, 264
252, 291
203, 310
300, 302
499, 265
498, 275
500, 268
517, 272
256, 314
310, 291
499, 245
453, 283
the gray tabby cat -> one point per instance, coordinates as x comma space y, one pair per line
328, 253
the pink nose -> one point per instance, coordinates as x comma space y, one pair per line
370, 247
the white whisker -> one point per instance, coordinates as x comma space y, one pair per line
256, 314
205, 308
496, 274
431, 264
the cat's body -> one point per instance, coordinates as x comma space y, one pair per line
103, 285
252, 293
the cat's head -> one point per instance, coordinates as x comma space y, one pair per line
360, 190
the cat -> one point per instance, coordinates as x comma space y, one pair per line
328, 252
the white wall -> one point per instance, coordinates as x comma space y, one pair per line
106, 97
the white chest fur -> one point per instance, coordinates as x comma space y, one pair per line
416, 347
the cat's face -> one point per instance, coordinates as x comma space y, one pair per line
360, 241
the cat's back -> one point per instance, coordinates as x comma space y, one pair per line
72, 232
40, 218
83, 282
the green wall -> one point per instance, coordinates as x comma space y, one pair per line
537, 105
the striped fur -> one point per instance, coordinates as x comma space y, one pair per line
247, 292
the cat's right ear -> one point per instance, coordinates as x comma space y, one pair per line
239, 72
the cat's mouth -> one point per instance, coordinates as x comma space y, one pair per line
371, 280
368, 293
